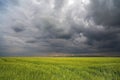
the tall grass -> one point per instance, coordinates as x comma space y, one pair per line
64, 68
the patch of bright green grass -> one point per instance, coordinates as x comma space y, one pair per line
60, 68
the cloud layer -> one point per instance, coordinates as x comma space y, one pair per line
65, 26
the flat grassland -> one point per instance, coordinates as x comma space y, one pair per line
59, 68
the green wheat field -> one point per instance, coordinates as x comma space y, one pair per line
59, 68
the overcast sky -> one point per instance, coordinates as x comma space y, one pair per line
62, 26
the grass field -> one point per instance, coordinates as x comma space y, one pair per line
60, 68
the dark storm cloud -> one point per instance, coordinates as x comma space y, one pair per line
1, 48
68, 26
106, 13
17, 29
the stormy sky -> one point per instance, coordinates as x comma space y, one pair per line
30, 27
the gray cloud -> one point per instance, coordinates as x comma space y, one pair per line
18, 29
68, 26
106, 13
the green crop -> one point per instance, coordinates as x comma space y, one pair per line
59, 68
